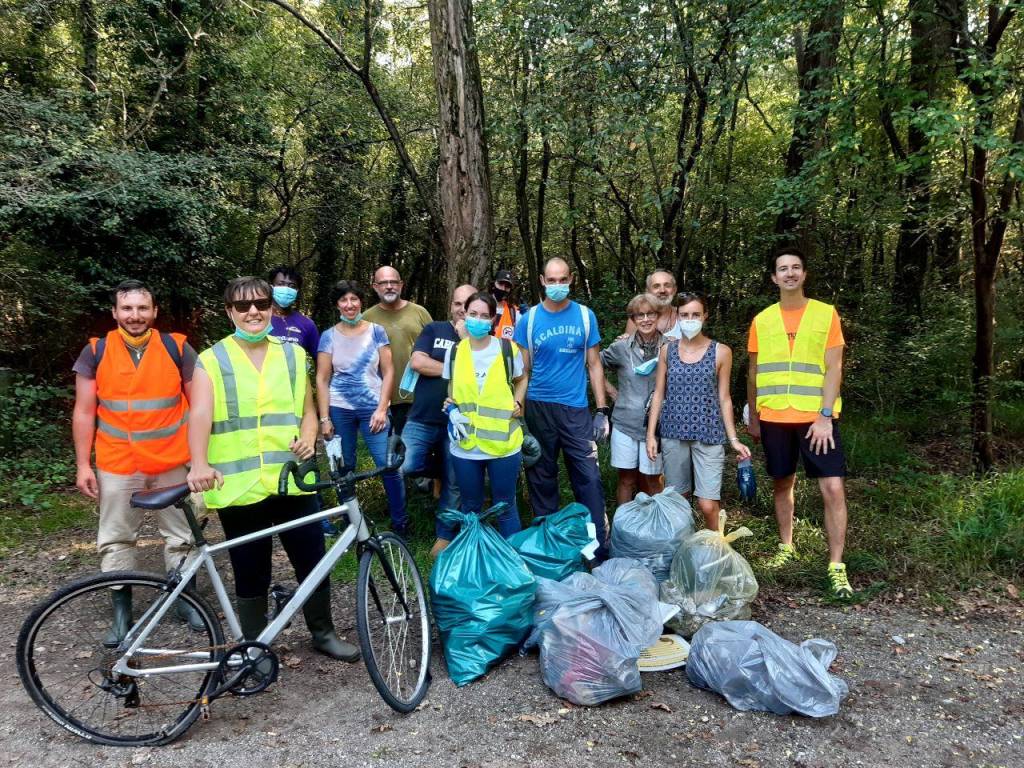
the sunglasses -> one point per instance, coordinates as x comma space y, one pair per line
242, 305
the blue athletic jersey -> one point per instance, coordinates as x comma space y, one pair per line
559, 365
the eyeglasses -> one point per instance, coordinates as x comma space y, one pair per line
242, 305
389, 283
645, 315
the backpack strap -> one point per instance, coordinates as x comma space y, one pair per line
172, 349
98, 349
529, 330
586, 326
506, 354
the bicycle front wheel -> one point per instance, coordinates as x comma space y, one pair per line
66, 663
393, 621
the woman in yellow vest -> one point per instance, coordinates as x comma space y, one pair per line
484, 409
252, 411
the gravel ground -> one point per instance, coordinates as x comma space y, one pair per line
929, 687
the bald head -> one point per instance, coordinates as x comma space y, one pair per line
459, 296
387, 284
662, 284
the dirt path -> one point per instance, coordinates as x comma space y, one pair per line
950, 695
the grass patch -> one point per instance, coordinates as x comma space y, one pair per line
52, 513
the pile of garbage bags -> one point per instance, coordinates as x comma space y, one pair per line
755, 669
650, 528
556, 545
482, 595
592, 627
709, 580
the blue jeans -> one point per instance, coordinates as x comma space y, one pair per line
347, 424
504, 474
422, 439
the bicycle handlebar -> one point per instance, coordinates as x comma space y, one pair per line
395, 459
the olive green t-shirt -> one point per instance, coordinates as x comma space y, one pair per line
403, 327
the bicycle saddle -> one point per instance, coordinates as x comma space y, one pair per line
159, 498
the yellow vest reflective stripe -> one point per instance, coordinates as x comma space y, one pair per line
793, 378
491, 426
256, 414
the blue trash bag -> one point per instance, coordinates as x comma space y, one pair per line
592, 627
482, 596
554, 545
650, 528
755, 669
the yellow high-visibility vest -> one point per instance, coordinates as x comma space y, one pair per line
256, 415
793, 378
491, 426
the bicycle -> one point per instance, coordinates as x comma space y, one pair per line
151, 687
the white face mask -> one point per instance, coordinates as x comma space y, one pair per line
691, 328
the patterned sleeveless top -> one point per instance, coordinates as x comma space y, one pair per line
691, 410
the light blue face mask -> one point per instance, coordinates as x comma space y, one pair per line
285, 295
477, 327
647, 368
556, 292
408, 383
253, 338
354, 321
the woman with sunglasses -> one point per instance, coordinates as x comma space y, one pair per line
693, 407
251, 412
354, 374
634, 359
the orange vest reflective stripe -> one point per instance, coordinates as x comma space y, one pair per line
141, 412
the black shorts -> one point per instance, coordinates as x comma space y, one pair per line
783, 443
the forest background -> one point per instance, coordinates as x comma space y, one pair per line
184, 142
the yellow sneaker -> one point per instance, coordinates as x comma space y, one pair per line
786, 554
839, 585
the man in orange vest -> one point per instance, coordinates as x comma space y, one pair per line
507, 313
796, 368
131, 396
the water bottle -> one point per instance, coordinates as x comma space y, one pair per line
745, 480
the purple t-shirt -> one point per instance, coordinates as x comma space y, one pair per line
298, 329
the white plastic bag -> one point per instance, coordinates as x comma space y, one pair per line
592, 628
755, 669
709, 580
649, 529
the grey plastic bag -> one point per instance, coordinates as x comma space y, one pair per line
709, 580
592, 628
649, 529
755, 669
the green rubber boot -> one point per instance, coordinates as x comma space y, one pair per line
317, 611
188, 614
252, 615
121, 600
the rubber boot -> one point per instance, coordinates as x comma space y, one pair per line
188, 614
252, 615
121, 600
317, 611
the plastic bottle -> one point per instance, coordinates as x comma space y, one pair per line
745, 480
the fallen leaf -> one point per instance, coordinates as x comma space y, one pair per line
382, 728
292, 662
1012, 591
748, 762
956, 657
539, 720
662, 706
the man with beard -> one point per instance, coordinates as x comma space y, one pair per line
404, 321
662, 284
131, 396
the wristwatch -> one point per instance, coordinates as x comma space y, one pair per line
826, 412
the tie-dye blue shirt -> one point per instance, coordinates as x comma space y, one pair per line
357, 378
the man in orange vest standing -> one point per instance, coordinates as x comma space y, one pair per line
796, 368
131, 396
507, 314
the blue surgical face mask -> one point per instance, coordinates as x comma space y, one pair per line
253, 338
477, 327
354, 321
557, 292
647, 368
285, 295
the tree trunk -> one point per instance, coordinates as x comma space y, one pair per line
464, 180
523, 180
815, 62
90, 50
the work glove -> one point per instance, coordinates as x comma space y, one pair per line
601, 425
530, 449
458, 425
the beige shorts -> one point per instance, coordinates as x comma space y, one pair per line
689, 463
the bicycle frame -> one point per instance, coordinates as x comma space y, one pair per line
357, 531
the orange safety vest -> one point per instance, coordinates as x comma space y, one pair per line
141, 412
506, 322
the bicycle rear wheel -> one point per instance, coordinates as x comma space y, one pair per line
67, 670
393, 621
